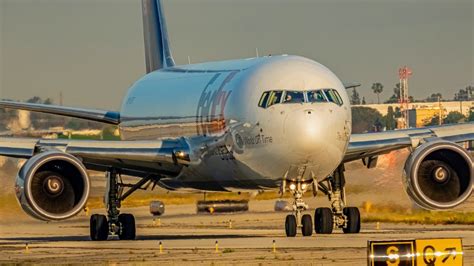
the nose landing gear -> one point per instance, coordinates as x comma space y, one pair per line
297, 220
325, 219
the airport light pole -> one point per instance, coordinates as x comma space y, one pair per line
404, 73
440, 111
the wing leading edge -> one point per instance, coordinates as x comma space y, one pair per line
373, 144
137, 158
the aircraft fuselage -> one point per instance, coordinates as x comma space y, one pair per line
215, 107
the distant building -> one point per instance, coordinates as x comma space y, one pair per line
463, 107
422, 116
421, 113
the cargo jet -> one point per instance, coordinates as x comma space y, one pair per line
268, 123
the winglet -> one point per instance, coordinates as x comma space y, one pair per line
102, 116
157, 49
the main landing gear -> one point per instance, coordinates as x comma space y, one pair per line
325, 219
115, 223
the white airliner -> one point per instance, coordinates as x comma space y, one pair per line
274, 122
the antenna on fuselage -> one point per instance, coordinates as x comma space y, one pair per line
189, 60
157, 50
256, 52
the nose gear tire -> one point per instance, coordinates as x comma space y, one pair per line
290, 225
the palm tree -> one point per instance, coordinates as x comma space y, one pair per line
377, 88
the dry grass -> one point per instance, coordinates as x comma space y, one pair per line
143, 199
388, 213
400, 214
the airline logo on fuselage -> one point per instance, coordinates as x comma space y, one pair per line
210, 111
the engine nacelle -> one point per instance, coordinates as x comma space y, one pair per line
52, 186
439, 175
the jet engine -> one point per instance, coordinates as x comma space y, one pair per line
439, 175
52, 185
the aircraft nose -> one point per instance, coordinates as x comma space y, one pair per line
306, 131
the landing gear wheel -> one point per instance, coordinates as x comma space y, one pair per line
127, 224
99, 227
323, 222
353, 220
307, 225
290, 225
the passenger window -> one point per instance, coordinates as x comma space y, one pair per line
264, 99
275, 97
294, 97
316, 97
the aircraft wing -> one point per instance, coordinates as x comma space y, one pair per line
6, 133
351, 85
372, 144
137, 158
103, 116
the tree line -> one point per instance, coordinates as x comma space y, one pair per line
366, 119
466, 94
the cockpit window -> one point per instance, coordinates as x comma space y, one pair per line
294, 97
275, 97
264, 99
330, 96
333, 96
316, 96
270, 98
338, 97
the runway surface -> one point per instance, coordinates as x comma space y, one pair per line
188, 238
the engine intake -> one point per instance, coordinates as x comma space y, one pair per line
439, 175
52, 186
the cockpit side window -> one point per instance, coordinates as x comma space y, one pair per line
294, 97
330, 96
263, 100
338, 97
316, 96
333, 96
275, 97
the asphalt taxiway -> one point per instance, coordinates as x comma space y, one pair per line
189, 238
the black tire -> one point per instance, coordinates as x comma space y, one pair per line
99, 227
127, 226
323, 221
307, 225
290, 225
353, 220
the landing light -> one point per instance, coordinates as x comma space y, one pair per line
303, 186
180, 154
292, 186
